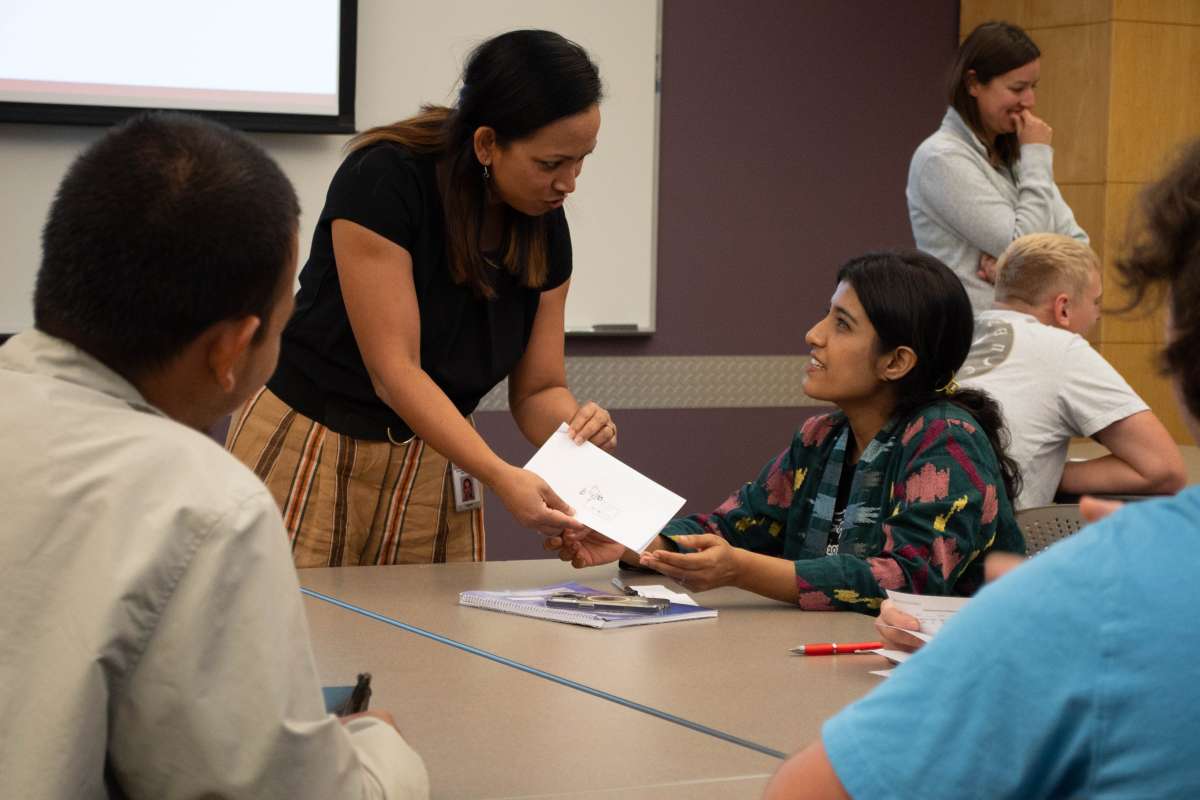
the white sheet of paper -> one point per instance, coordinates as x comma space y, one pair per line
930, 610
608, 496
924, 637
658, 590
894, 656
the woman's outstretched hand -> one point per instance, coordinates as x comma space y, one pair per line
714, 564
584, 548
534, 504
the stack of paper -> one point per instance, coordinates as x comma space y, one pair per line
932, 611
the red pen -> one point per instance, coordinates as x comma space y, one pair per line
833, 648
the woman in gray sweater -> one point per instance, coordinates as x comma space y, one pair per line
986, 176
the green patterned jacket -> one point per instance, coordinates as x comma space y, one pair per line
926, 503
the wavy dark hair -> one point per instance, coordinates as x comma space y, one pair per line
515, 84
914, 300
1162, 259
992, 49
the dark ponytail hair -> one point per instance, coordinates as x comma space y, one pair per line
515, 83
992, 49
914, 300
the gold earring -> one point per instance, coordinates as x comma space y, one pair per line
950, 388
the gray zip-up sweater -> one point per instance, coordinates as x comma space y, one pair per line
961, 206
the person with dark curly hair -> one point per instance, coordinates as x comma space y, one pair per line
1066, 677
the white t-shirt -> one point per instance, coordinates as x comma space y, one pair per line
1051, 385
153, 641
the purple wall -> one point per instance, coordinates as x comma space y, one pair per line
786, 130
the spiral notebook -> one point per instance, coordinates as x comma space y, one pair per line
532, 603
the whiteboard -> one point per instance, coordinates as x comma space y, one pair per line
411, 53
414, 53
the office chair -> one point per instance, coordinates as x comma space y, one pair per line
1042, 526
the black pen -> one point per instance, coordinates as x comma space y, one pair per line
361, 695
624, 587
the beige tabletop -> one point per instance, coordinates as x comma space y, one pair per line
732, 674
487, 730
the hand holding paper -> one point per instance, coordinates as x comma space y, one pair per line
608, 496
900, 621
898, 629
533, 503
930, 611
907, 621
592, 423
585, 549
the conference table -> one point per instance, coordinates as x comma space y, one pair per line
507, 706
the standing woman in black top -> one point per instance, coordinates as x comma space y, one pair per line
440, 265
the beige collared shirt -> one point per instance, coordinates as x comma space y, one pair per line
152, 641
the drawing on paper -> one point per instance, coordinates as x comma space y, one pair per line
598, 504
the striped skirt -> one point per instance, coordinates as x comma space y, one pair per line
349, 502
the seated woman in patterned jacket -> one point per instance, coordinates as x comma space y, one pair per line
906, 486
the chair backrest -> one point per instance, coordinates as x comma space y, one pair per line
1042, 526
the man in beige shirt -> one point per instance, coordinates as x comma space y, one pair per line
153, 641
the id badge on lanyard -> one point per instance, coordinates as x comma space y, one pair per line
468, 491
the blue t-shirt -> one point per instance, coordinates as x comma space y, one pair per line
1070, 677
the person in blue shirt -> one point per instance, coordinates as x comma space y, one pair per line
1068, 677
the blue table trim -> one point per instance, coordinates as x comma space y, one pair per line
508, 662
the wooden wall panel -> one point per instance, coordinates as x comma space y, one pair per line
1152, 109
1139, 365
1072, 96
1119, 202
1031, 14
1155, 103
1087, 201
1179, 12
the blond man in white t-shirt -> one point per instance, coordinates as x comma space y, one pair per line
1029, 353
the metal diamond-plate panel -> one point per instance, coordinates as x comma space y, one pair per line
680, 382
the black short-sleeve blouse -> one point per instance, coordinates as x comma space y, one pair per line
468, 343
